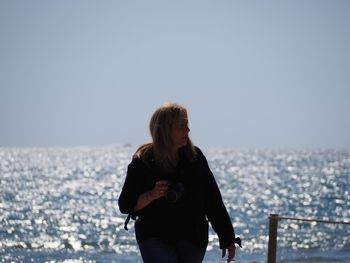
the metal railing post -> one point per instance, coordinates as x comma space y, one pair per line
272, 245
273, 223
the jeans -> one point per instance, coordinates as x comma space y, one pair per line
154, 250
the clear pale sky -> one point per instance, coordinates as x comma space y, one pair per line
257, 74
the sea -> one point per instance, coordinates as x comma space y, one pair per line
61, 204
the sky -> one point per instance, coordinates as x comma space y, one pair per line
252, 74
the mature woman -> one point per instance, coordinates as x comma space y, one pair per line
171, 192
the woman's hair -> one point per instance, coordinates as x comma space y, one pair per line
161, 125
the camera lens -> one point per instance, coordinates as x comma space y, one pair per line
175, 192
171, 196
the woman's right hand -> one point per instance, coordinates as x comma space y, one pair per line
159, 190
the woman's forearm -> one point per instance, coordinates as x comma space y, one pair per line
144, 200
160, 189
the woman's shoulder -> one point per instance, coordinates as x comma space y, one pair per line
142, 157
136, 161
199, 156
135, 165
199, 152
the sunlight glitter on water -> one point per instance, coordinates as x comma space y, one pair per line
66, 198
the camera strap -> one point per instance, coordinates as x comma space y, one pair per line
127, 220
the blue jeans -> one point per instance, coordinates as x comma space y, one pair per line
154, 250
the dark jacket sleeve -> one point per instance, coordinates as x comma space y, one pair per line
131, 188
215, 208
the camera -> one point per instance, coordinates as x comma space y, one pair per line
175, 192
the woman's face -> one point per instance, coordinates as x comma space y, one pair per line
180, 130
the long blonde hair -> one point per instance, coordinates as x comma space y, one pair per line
160, 127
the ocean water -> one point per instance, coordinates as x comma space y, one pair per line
60, 204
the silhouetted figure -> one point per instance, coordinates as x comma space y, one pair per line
171, 192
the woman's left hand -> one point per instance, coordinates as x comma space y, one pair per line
231, 252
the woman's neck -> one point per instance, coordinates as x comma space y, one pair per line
175, 157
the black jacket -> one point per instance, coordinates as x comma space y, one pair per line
188, 217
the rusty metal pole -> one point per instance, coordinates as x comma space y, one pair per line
272, 245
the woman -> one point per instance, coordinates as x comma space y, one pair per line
171, 192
